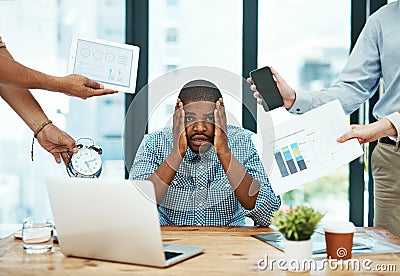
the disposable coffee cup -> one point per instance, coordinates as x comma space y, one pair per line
339, 239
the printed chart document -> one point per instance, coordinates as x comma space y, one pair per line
304, 147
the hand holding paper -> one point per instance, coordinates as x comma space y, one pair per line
304, 147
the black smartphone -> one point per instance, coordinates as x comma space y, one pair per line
266, 86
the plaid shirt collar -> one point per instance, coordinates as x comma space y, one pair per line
195, 157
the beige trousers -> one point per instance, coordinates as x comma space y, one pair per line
385, 163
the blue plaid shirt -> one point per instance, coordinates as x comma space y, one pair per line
200, 193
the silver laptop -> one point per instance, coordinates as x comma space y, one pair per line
113, 220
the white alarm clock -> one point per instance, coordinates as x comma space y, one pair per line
86, 162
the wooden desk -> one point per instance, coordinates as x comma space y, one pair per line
229, 251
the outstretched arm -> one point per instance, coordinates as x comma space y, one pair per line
371, 132
25, 105
17, 75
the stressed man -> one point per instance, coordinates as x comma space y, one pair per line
204, 171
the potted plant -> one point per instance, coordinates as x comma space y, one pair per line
297, 225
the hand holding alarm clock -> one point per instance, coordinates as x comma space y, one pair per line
86, 163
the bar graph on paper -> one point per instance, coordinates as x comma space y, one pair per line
302, 153
289, 159
304, 147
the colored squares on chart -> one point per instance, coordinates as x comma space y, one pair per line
297, 155
288, 157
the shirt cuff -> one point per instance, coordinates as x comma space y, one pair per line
302, 103
2, 44
394, 118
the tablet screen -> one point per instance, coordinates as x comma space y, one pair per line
104, 63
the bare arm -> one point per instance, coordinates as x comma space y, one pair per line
370, 132
21, 100
164, 174
246, 188
15, 74
25, 105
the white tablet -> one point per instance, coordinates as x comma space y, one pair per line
110, 63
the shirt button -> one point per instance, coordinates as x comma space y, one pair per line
227, 185
175, 181
200, 203
201, 167
201, 187
199, 224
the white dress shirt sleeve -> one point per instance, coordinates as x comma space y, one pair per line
394, 118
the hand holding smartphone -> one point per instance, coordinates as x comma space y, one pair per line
266, 86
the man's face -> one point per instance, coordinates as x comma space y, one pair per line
199, 125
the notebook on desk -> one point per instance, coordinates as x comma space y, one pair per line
113, 220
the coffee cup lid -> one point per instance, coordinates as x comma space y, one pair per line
339, 227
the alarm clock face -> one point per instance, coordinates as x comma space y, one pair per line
86, 161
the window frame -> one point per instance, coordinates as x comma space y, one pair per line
137, 27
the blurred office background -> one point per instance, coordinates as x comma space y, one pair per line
307, 41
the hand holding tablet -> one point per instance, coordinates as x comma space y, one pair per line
112, 64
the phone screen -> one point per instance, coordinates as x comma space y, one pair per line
267, 88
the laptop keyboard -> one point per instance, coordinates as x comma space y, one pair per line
170, 254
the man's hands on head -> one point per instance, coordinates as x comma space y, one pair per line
220, 131
180, 136
81, 87
179, 133
287, 92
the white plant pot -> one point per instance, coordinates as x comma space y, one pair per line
297, 253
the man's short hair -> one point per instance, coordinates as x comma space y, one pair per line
199, 90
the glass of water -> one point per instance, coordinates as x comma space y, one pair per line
37, 235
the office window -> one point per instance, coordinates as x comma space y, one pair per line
308, 42
206, 33
172, 2
38, 33
170, 67
172, 35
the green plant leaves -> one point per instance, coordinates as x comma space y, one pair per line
298, 224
